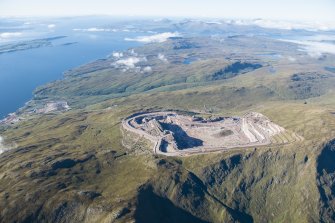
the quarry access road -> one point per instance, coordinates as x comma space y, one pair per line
157, 140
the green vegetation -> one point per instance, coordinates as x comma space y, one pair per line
26, 45
74, 167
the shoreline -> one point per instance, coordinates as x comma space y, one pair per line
26, 95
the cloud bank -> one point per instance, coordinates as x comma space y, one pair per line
157, 38
287, 25
8, 35
51, 26
94, 29
314, 48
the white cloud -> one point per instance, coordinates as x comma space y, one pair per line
162, 57
288, 25
117, 54
129, 63
51, 26
151, 32
132, 52
292, 59
2, 147
314, 48
314, 54
94, 29
157, 38
8, 35
321, 38
147, 69
213, 23
97, 30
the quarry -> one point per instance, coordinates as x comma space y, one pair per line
174, 134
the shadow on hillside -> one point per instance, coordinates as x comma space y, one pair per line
326, 181
152, 208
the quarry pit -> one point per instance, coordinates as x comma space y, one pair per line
174, 134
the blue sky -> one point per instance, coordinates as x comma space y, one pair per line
315, 10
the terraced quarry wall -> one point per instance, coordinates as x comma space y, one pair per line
173, 134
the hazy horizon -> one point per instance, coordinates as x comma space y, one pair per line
308, 10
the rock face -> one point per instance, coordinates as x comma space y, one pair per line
174, 134
326, 180
232, 190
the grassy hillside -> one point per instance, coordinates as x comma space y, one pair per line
74, 167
